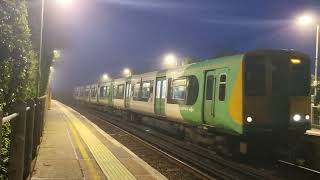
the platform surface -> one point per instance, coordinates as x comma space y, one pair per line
72, 147
313, 132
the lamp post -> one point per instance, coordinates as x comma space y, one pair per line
305, 20
62, 2
40, 53
316, 62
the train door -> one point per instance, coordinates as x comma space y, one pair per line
220, 106
127, 95
209, 110
161, 92
215, 96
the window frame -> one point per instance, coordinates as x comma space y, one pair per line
134, 97
150, 90
225, 87
105, 92
211, 88
94, 94
119, 95
170, 99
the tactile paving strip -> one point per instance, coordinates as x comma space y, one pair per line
110, 165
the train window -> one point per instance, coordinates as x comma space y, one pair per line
128, 90
299, 79
222, 87
87, 92
164, 89
179, 87
209, 89
93, 92
120, 91
193, 90
169, 99
255, 78
136, 91
146, 90
107, 92
183, 90
104, 91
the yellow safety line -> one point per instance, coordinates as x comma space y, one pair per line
109, 164
92, 171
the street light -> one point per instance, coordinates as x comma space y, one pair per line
170, 60
105, 77
52, 69
127, 72
306, 20
64, 2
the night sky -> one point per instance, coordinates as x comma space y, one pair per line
108, 35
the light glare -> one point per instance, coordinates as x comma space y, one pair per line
249, 119
170, 60
295, 61
51, 68
296, 117
64, 2
105, 77
127, 72
307, 117
305, 20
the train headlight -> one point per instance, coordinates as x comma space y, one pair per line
249, 119
297, 117
307, 117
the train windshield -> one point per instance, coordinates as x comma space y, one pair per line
299, 77
255, 76
276, 74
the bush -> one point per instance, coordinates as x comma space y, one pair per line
17, 65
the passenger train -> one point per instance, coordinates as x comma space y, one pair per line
261, 96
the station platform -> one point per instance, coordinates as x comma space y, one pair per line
72, 147
313, 132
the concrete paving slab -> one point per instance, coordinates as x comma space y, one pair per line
56, 153
57, 169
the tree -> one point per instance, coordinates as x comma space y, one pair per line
17, 64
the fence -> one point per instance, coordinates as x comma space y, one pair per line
26, 130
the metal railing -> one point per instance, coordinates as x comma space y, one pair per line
26, 132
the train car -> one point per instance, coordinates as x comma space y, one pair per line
118, 97
105, 91
266, 90
142, 96
261, 94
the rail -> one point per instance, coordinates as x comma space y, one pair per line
26, 131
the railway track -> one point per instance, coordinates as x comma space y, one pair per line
187, 161
200, 162
168, 165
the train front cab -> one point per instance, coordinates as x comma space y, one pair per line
276, 94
